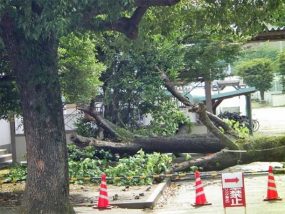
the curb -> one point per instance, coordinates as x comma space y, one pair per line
148, 203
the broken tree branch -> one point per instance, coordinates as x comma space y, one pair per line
201, 111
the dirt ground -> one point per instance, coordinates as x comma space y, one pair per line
80, 195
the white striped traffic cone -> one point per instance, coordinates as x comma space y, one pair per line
272, 193
200, 195
103, 200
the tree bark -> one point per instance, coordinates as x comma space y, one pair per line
194, 144
208, 95
228, 158
34, 63
108, 126
220, 123
101, 122
267, 150
261, 95
224, 139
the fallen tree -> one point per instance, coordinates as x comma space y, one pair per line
265, 149
177, 144
224, 147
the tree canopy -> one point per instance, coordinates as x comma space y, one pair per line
79, 68
258, 73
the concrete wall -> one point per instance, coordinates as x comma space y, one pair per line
21, 145
275, 98
5, 136
278, 100
20, 148
198, 129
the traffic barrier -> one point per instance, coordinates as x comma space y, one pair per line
272, 193
200, 195
103, 200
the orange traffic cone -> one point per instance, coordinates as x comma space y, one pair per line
200, 195
103, 201
271, 187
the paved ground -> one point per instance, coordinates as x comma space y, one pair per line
255, 191
181, 202
272, 120
256, 188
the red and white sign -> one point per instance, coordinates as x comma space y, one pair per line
233, 189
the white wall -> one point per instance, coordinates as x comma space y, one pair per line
70, 114
21, 146
278, 100
234, 104
5, 137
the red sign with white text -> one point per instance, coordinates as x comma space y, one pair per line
233, 189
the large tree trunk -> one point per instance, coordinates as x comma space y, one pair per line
263, 149
35, 67
195, 144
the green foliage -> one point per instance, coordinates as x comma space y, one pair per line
35, 19
237, 22
85, 168
85, 163
166, 120
9, 94
267, 50
240, 128
132, 86
208, 59
243, 18
140, 164
78, 68
264, 50
17, 173
91, 163
86, 128
167, 27
77, 154
257, 73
